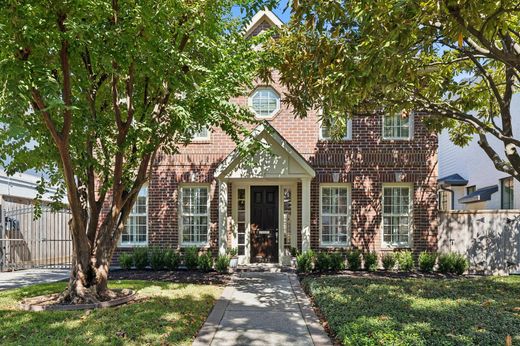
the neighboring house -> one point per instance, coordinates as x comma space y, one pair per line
468, 180
375, 189
22, 185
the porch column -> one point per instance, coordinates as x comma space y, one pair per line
306, 214
222, 216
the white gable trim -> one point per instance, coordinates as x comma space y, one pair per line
233, 159
257, 19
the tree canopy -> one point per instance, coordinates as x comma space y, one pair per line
458, 62
92, 90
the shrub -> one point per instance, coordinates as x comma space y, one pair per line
322, 262
388, 260
370, 261
453, 263
126, 260
354, 260
191, 258
427, 261
205, 262
337, 262
140, 255
305, 262
222, 264
157, 260
172, 259
405, 261
294, 252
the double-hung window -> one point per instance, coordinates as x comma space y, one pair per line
507, 193
327, 127
136, 228
397, 215
194, 215
202, 134
397, 126
335, 215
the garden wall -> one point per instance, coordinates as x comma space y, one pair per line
489, 238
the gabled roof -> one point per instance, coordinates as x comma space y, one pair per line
453, 180
259, 18
264, 129
480, 195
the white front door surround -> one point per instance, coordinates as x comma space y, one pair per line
277, 165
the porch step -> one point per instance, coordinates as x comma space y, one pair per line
263, 267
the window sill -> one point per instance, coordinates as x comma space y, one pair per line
132, 245
396, 247
334, 246
198, 245
342, 140
409, 139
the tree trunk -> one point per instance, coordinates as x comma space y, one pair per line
88, 282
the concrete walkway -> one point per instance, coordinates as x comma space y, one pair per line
21, 278
263, 309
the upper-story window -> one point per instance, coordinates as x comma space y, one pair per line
397, 126
202, 134
326, 130
507, 196
265, 102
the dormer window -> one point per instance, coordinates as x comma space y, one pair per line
264, 102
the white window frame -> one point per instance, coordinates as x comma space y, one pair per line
410, 128
346, 137
198, 138
181, 214
137, 243
278, 102
349, 213
408, 244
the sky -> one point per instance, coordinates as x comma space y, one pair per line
279, 11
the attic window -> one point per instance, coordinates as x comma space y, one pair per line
264, 102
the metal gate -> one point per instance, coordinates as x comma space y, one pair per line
29, 242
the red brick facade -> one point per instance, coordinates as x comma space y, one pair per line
366, 162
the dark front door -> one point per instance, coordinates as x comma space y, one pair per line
264, 224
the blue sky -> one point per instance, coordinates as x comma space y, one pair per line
279, 11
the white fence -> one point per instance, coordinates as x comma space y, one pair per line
29, 242
489, 238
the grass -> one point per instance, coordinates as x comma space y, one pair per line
171, 314
383, 311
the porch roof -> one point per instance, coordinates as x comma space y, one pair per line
284, 160
480, 195
453, 180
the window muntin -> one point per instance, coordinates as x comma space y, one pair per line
326, 131
264, 102
471, 189
194, 215
397, 127
201, 135
507, 193
335, 215
397, 215
241, 221
444, 200
136, 228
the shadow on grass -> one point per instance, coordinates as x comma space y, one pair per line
170, 313
419, 311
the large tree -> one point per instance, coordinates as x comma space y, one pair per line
457, 61
92, 90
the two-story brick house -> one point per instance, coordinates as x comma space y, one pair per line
375, 189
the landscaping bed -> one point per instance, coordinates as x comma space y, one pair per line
163, 313
178, 276
359, 308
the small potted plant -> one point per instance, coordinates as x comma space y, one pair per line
294, 254
233, 255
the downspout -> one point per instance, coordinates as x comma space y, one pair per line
452, 194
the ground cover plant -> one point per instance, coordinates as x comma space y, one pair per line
426, 311
168, 313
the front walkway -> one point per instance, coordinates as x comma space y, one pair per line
26, 277
262, 309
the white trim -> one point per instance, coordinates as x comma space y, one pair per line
410, 129
206, 138
257, 19
278, 102
385, 245
349, 215
180, 214
306, 214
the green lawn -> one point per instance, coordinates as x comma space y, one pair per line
382, 311
171, 314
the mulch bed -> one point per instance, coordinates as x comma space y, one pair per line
388, 274
179, 276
